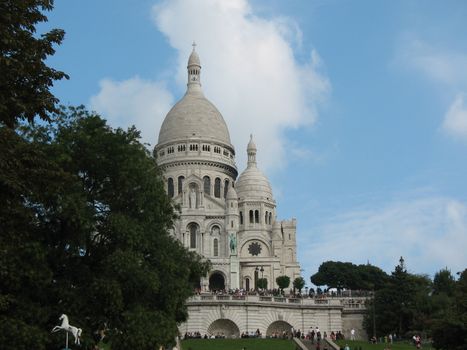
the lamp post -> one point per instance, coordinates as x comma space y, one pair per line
256, 278
306, 291
374, 313
262, 270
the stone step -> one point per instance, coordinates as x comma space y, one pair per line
313, 345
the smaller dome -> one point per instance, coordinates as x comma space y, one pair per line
231, 194
253, 184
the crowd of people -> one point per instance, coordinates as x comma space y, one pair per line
282, 293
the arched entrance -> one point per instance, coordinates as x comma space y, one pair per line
216, 281
224, 327
278, 327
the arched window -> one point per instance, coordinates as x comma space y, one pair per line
251, 217
216, 247
226, 187
170, 187
247, 284
266, 218
193, 233
217, 188
257, 216
207, 185
180, 184
270, 219
241, 218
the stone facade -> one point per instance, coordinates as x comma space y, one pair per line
233, 315
232, 222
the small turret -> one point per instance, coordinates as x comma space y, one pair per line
194, 69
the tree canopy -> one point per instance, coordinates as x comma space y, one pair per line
340, 275
283, 282
85, 231
299, 283
25, 78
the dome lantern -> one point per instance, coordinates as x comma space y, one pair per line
251, 151
194, 68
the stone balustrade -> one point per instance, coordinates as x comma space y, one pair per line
346, 303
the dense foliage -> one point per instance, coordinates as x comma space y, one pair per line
85, 231
400, 306
84, 220
340, 275
298, 283
283, 282
406, 304
25, 78
262, 283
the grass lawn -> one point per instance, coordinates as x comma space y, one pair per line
356, 345
237, 344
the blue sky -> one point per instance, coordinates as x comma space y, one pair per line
359, 108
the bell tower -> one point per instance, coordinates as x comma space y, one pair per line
194, 68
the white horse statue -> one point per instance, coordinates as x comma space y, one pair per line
68, 329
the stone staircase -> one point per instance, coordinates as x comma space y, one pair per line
313, 346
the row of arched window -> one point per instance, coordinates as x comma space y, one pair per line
206, 186
194, 229
194, 147
254, 217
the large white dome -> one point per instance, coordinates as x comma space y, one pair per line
194, 117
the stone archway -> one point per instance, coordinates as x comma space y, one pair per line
224, 327
217, 281
278, 327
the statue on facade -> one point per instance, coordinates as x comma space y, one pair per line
233, 243
65, 326
192, 198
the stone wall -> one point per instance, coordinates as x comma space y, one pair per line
233, 315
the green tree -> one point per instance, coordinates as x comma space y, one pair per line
27, 180
262, 283
444, 282
299, 283
283, 282
86, 232
399, 306
450, 327
333, 274
25, 78
340, 275
369, 277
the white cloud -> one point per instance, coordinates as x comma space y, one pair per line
449, 68
455, 120
449, 71
249, 70
133, 102
430, 232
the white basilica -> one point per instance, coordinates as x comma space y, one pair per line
228, 219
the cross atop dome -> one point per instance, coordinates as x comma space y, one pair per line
194, 45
